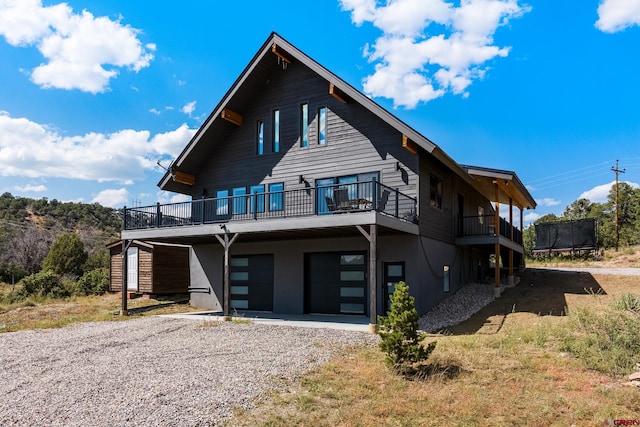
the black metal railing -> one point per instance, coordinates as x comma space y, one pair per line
309, 201
484, 225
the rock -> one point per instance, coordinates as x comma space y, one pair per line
635, 377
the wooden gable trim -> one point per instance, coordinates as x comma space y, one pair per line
338, 94
277, 51
409, 145
184, 178
231, 116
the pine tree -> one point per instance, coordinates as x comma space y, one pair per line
66, 256
401, 340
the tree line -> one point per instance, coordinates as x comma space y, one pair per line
605, 215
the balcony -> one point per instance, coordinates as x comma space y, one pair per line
484, 226
306, 202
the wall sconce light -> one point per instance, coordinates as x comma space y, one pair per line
397, 166
300, 179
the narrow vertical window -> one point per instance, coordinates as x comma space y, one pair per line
275, 196
260, 138
322, 125
435, 190
275, 140
304, 125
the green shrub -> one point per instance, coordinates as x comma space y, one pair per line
607, 341
94, 282
628, 302
401, 340
43, 284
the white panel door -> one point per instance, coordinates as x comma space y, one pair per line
132, 269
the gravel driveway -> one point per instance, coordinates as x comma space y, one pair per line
153, 371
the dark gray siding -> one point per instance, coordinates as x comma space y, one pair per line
441, 224
357, 141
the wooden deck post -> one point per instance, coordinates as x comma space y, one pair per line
511, 279
226, 284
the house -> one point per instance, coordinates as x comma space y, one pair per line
153, 268
308, 197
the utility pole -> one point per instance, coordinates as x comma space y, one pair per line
618, 172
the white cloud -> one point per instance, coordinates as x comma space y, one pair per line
411, 67
548, 202
616, 15
600, 193
531, 217
29, 149
112, 198
164, 197
189, 108
83, 52
30, 188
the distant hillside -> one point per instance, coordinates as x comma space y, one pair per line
53, 214
28, 227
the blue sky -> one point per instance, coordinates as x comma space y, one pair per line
94, 93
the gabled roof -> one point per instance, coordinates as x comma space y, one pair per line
252, 78
509, 186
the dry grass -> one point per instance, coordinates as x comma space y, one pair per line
624, 257
502, 367
32, 314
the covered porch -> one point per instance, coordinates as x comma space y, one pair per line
503, 189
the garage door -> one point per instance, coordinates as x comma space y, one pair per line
251, 282
336, 283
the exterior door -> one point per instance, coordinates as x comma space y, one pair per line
393, 274
132, 269
336, 283
251, 282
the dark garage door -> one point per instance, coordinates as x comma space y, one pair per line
251, 282
336, 283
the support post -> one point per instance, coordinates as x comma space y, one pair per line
510, 278
372, 237
226, 284
523, 257
124, 311
373, 278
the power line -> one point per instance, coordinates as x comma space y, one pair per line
571, 172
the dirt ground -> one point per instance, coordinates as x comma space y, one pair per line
548, 293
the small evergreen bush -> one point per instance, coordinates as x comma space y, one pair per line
401, 340
94, 282
43, 284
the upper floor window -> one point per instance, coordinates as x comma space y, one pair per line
256, 203
435, 193
276, 192
304, 125
260, 138
239, 200
322, 125
275, 130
